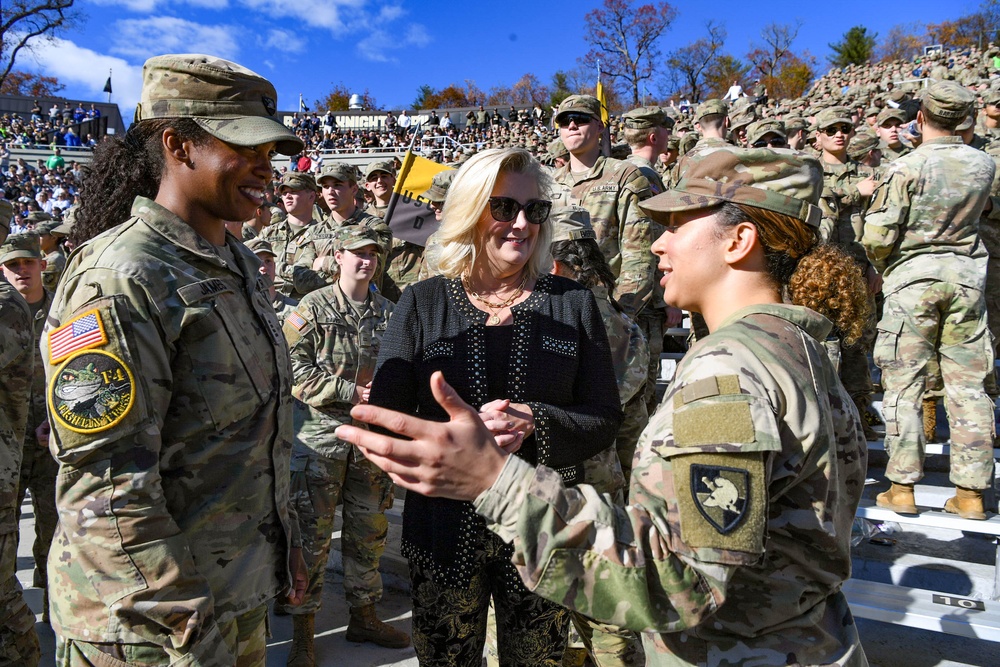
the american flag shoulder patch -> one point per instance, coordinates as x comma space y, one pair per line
82, 332
296, 321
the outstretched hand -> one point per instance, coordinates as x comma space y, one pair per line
454, 459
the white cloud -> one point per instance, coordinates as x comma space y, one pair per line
142, 38
336, 15
283, 41
147, 6
83, 68
382, 46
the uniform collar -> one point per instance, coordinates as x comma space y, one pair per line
804, 318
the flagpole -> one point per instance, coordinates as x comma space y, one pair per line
401, 176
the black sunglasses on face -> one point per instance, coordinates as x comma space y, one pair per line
505, 209
578, 118
777, 142
834, 129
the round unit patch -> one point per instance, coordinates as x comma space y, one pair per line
91, 392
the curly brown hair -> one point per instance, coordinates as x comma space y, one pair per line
816, 275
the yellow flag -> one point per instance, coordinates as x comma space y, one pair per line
410, 216
603, 99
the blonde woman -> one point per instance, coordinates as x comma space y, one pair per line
529, 350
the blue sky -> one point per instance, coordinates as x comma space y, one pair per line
392, 47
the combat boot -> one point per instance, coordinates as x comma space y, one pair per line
899, 499
302, 653
930, 418
966, 503
364, 626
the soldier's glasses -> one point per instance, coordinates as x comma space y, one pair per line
776, 142
505, 209
579, 118
834, 129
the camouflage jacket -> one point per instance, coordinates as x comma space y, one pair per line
334, 348
611, 192
629, 349
893, 154
170, 399
843, 206
929, 204
321, 242
283, 305
16, 362
649, 171
55, 263
737, 539
289, 246
39, 410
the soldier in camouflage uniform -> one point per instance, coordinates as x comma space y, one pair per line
50, 235
283, 305
928, 207
608, 471
169, 389
647, 130
380, 179
334, 335
737, 541
316, 266
289, 237
712, 120
23, 267
18, 640
843, 205
610, 189
887, 125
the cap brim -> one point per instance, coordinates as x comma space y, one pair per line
19, 254
357, 245
252, 131
834, 121
659, 207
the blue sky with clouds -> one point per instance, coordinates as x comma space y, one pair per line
391, 47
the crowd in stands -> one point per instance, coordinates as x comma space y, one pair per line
49, 187
52, 127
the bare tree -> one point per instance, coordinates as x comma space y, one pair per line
689, 64
776, 44
624, 40
23, 21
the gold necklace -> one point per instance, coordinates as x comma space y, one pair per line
495, 308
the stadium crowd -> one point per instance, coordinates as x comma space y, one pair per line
343, 283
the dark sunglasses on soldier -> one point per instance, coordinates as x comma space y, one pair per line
776, 142
579, 118
505, 209
834, 129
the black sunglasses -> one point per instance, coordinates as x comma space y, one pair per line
834, 129
777, 142
579, 118
505, 209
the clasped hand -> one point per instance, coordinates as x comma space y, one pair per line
510, 423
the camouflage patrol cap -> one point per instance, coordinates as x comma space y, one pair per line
36, 217
557, 149
740, 118
352, 237
711, 108
991, 97
646, 118
570, 223
833, 115
673, 143
586, 104
872, 111
340, 171
862, 144
48, 227
438, 191
889, 113
297, 180
782, 181
762, 128
380, 165
20, 246
793, 124
6, 213
947, 99
228, 101
259, 245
